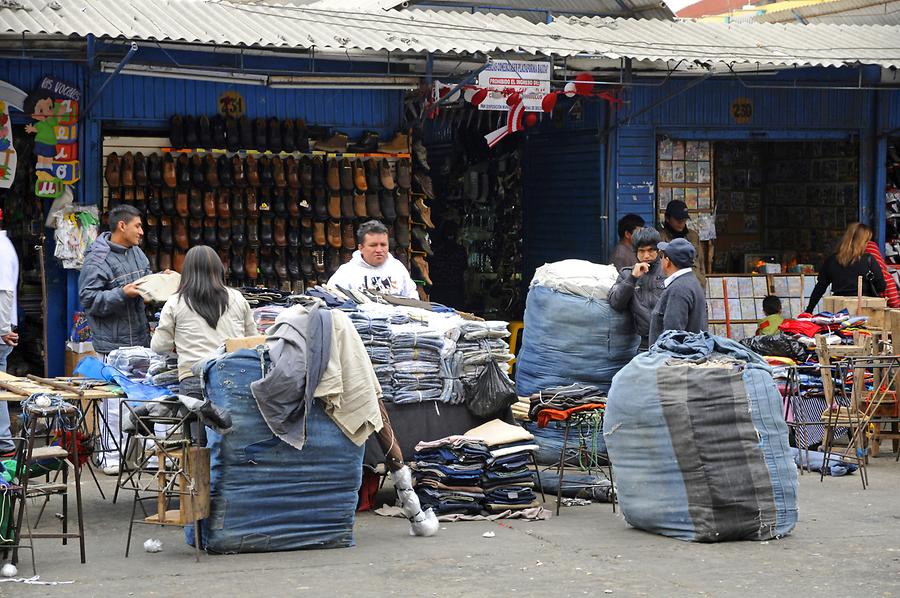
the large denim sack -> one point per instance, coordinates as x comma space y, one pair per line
571, 339
696, 435
265, 495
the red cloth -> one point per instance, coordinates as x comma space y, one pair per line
545, 416
367, 490
804, 327
890, 293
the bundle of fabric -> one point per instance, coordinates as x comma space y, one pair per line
163, 370
571, 333
375, 333
447, 474
134, 362
480, 343
559, 402
697, 434
507, 481
838, 327
416, 353
265, 316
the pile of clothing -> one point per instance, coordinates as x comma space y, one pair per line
508, 483
838, 326
478, 344
805, 402
447, 474
416, 353
375, 333
265, 316
559, 402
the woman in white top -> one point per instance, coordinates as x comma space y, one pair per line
198, 318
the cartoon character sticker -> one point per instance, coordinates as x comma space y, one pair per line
42, 108
8, 158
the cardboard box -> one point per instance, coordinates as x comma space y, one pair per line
873, 307
249, 342
73, 358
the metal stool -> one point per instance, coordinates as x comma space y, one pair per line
578, 420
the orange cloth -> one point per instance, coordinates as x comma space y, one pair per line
545, 416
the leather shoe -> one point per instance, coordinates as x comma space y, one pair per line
373, 207
225, 258
168, 201
237, 171
237, 264
278, 172
140, 170
151, 232
366, 144
279, 234
181, 203
347, 205
191, 140
237, 202
306, 263
333, 178
265, 171
359, 205
301, 136
359, 176
252, 172
293, 233
220, 131
154, 203
223, 203
398, 145
423, 211
334, 234
334, 206
274, 136
251, 204
238, 234
176, 132
372, 181
423, 182
292, 172
178, 260
154, 170
348, 236
385, 175
233, 133
420, 236
293, 264
224, 168
259, 134
288, 141
209, 232
335, 144
252, 232
195, 203
165, 260
279, 202
280, 265
306, 232
293, 202
401, 203
224, 232
126, 170
421, 265
204, 129
181, 234
320, 204
401, 234
211, 170
387, 205
245, 129
318, 172
266, 266
197, 171
170, 177
346, 175
251, 265
319, 233
306, 173
332, 260
195, 232
265, 231
403, 174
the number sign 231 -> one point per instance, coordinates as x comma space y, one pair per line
742, 110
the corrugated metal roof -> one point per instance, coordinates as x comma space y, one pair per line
773, 44
443, 32
845, 12
537, 11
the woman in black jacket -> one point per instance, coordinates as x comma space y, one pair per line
843, 268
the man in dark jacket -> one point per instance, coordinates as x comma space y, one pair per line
114, 308
682, 305
640, 286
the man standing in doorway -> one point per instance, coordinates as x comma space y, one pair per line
9, 338
112, 304
682, 305
624, 253
373, 267
675, 227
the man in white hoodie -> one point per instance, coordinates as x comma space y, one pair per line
373, 267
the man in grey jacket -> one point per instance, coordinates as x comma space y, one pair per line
682, 305
112, 303
640, 285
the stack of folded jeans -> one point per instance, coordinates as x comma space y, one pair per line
448, 474
265, 316
375, 333
416, 354
508, 482
480, 343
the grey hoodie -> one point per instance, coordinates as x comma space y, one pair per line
115, 320
639, 295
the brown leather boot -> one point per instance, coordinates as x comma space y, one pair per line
401, 203
251, 265
126, 170
223, 205
251, 206
181, 203
237, 171
212, 171
278, 172
333, 176
398, 145
404, 175
385, 175
140, 170
336, 144
170, 177
348, 236
334, 206
346, 175
359, 176
252, 172
423, 211
113, 177
419, 262
181, 234
319, 233
292, 171
359, 205
280, 233
334, 234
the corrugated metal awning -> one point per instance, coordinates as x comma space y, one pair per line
413, 31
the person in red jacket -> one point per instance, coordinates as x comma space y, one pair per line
890, 292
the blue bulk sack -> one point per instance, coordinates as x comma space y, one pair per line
265, 495
570, 339
696, 434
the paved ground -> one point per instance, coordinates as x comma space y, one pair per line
846, 544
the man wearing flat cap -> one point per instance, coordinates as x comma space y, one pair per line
675, 226
682, 305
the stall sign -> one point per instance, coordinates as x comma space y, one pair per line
8, 158
231, 103
742, 110
53, 107
530, 79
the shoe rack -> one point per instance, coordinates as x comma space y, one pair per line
280, 214
420, 220
892, 209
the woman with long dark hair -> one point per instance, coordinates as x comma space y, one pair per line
843, 268
198, 318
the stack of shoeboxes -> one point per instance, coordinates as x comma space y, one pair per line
278, 200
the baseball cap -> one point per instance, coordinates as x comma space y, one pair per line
677, 209
679, 251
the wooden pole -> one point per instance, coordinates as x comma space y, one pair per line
727, 311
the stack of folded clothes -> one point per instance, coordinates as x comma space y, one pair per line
416, 353
480, 343
448, 474
264, 317
375, 333
508, 482
559, 402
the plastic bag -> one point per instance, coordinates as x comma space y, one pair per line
492, 392
776, 345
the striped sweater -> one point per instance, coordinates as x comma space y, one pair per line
890, 293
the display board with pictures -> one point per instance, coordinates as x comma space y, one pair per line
739, 195
743, 296
684, 172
